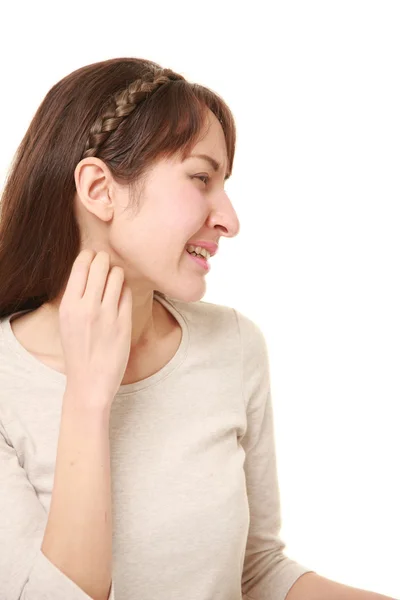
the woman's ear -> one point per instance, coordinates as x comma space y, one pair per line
93, 181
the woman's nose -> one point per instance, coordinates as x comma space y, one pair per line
224, 217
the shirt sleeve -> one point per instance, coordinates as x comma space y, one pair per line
268, 574
25, 572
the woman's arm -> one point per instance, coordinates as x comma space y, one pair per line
78, 535
267, 571
314, 587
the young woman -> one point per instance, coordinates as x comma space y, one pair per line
137, 456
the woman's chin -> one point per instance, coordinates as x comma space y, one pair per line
191, 292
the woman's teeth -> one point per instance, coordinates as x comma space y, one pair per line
197, 250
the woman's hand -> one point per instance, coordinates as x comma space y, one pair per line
95, 316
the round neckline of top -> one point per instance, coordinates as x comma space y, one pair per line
38, 367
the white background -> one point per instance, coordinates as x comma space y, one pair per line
314, 87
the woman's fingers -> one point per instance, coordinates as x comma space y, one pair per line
76, 284
97, 278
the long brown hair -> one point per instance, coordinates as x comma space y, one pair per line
126, 111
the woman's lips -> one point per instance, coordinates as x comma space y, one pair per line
200, 260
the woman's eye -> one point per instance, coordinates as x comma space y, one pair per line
204, 178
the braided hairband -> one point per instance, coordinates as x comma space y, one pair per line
122, 104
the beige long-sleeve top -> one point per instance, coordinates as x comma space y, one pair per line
196, 507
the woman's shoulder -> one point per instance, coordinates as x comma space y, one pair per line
221, 317
205, 314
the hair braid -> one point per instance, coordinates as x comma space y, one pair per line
123, 103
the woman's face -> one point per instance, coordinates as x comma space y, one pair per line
180, 203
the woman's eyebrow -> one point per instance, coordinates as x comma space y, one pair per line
214, 163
